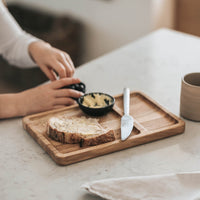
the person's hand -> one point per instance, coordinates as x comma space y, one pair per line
49, 96
51, 60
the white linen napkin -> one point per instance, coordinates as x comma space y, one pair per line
181, 186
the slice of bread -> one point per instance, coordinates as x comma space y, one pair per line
86, 131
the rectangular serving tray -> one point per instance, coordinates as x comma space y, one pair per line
152, 122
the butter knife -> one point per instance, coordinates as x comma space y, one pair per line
127, 121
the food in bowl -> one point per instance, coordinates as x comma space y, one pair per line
97, 100
96, 103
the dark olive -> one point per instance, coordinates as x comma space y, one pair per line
107, 101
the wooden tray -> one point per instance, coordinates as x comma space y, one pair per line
152, 122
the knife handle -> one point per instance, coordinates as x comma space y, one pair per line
126, 99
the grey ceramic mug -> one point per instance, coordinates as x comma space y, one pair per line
190, 96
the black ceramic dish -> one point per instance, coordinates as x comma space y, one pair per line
79, 87
96, 111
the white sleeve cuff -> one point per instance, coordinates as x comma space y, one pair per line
26, 61
17, 53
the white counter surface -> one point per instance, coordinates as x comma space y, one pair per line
153, 65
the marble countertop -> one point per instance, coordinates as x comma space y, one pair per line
153, 65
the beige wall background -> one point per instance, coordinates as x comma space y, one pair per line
113, 23
163, 13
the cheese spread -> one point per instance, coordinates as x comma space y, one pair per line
96, 100
79, 125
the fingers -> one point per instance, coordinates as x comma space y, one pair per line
64, 101
68, 93
48, 57
66, 61
49, 73
64, 82
60, 69
70, 61
53, 73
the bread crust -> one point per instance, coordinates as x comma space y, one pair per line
100, 139
74, 138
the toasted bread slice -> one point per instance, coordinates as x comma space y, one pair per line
86, 131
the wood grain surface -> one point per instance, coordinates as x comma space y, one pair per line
188, 16
152, 122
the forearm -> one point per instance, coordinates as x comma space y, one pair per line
11, 105
42, 98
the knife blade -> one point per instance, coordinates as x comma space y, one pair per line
127, 121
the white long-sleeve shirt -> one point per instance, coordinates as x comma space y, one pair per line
14, 41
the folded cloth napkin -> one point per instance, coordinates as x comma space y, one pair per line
181, 186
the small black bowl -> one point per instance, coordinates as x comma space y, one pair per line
96, 111
78, 86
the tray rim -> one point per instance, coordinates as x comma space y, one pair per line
58, 156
